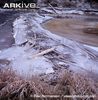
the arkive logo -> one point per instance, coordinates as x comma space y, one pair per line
20, 5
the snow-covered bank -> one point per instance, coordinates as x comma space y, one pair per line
22, 57
63, 11
32, 39
20, 28
92, 47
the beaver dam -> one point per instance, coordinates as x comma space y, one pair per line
50, 56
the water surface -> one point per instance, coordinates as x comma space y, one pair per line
6, 28
82, 29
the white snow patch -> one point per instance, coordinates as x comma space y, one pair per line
61, 63
79, 12
64, 11
72, 12
92, 47
20, 30
24, 63
47, 10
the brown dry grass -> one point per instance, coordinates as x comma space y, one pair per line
13, 87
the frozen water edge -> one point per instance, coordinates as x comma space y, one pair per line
92, 47
22, 60
19, 28
64, 11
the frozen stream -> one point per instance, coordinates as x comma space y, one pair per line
27, 58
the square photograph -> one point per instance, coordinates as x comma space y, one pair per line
48, 49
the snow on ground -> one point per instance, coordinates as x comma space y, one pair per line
92, 47
80, 58
72, 12
24, 63
47, 10
22, 58
20, 30
64, 11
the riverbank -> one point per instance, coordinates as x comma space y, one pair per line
40, 56
28, 33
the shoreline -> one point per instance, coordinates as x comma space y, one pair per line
45, 63
74, 27
36, 28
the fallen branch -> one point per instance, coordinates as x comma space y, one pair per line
44, 52
53, 8
90, 10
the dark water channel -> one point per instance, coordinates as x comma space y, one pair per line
6, 28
